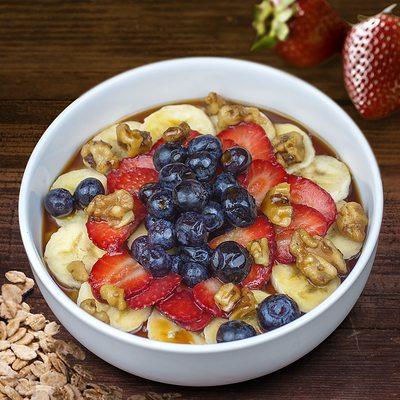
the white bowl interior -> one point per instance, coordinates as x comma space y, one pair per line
175, 80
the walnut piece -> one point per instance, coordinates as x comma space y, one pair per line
214, 102
232, 114
116, 208
99, 156
276, 205
114, 296
289, 148
134, 141
78, 271
352, 221
245, 306
316, 257
227, 296
177, 133
89, 305
259, 249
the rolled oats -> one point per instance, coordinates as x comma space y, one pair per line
23, 352
18, 335
15, 276
6, 370
4, 345
12, 393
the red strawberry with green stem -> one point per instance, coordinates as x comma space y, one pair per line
371, 64
303, 32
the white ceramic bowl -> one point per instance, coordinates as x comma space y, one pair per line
175, 80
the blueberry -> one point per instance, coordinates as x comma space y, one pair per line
190, 195
190, 229
157, 261
176, 263
162, 233
239, 207
277, 310
194, 273
161, 205
231, 262
139, 248
147, 190
87, 190
213, 216
235, 160
198, 254
208, 143
234, 330
149, 221
203, 165
172, 174
169, 153
59, 203
223, 182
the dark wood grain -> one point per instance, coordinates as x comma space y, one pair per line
52, 51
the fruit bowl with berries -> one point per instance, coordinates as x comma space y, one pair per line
174, 237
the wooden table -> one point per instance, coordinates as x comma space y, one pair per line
53, 51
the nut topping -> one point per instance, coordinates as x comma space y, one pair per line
89, 306
352, 221
78, 271
276, 205
259, 249
289, 148
99, 156
115, 208
177, 133
245, 306
214, 102
134, 141
227, 296
316, 257
114, 296
232, 114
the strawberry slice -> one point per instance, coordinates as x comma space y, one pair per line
181, 306
204, 293
156, 145
120, 270
252, 137
198, 325
227, 144
303, 217
261, 177
305, 192
259, 275
107, 237
141, 161
158, 290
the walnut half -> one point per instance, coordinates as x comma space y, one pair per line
352, 221
115, 208
316, 257
214, 102
177, 133
227, 296
259, 249
232, 114
289, 148
134, 141
276, 205
98, 155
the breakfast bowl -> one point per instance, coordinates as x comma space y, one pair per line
169, 82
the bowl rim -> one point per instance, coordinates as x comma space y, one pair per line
40, 269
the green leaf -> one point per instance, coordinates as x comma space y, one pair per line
264, 42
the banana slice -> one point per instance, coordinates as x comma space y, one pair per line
282, 129
71, 180
289, 280
210, 331
109, 135
159, 121
127, 320
164, 330
349, 248
260, 295
329, 173
140, 231
78, 216
70, 243
267, 125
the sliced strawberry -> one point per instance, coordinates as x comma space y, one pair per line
131, 180
305, 192
227, 144
107, 237
120, 270
141, 161
204, 293
303, 217
156, 145
261, 177
198, 325
252, 137
158, 290
259, 275
181, 306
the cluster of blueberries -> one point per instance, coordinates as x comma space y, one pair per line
192, 202
60, 202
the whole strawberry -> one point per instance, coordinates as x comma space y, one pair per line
371, 65
303, 32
